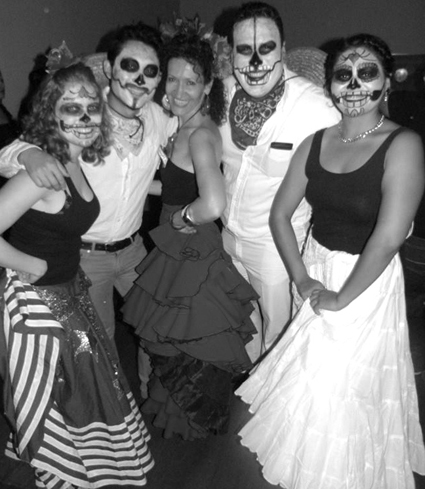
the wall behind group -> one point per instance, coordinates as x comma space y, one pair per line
312, 22
29, 27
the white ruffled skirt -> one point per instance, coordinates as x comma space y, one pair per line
335, 403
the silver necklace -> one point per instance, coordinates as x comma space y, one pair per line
362, 135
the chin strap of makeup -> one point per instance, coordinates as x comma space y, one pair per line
247, 115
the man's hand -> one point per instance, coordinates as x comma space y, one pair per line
43, 169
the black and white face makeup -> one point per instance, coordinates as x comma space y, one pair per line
257, 55
78, 113
133, 78
358, 82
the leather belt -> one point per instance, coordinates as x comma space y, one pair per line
109, 247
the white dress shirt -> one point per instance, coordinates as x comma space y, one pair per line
253, 176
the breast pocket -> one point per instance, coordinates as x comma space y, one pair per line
276, 159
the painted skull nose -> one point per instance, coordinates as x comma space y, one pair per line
255, 61
353, 84
139, 80
86, 119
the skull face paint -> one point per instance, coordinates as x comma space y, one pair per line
78, 113
358, 82
134, 77
257, 55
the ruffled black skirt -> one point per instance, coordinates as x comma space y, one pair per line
191, 308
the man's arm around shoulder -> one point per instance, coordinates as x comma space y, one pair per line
9, 157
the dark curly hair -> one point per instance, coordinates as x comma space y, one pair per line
256, 10
40, 126
135, 32
373, 43
199, 54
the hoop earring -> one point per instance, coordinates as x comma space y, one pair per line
166, 103
206, 105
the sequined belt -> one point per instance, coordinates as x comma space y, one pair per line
109, 247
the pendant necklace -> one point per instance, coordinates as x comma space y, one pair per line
168, 150
361, 135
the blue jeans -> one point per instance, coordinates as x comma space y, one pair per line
114, 270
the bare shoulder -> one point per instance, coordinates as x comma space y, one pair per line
405, 149
205, 134
404, 161
24, 183
206, 146
407, 137
21, 188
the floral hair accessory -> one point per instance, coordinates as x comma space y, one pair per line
219, 45
57, 58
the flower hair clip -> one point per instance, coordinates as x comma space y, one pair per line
181, 25
219, 45
223, 66
57, 58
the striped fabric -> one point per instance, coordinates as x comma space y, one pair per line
96, 455
33, 347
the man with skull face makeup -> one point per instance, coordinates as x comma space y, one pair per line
271, 111
112, 247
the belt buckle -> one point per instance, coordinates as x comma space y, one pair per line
111, 248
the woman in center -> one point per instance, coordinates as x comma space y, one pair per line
190, 306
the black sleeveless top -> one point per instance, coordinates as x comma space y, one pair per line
179, 186
345, 206
56, 238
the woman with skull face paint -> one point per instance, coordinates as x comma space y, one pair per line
74, 418
190, 306
335, 403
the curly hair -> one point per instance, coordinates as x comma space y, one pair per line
135, 32
374, 43
256, 10
40, 126
199, 54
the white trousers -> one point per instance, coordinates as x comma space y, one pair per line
259, 262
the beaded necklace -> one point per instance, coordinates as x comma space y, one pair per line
362, 135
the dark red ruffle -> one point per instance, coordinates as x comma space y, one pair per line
190, 296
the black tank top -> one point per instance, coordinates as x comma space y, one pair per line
56, 238
179, 186
345, 206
